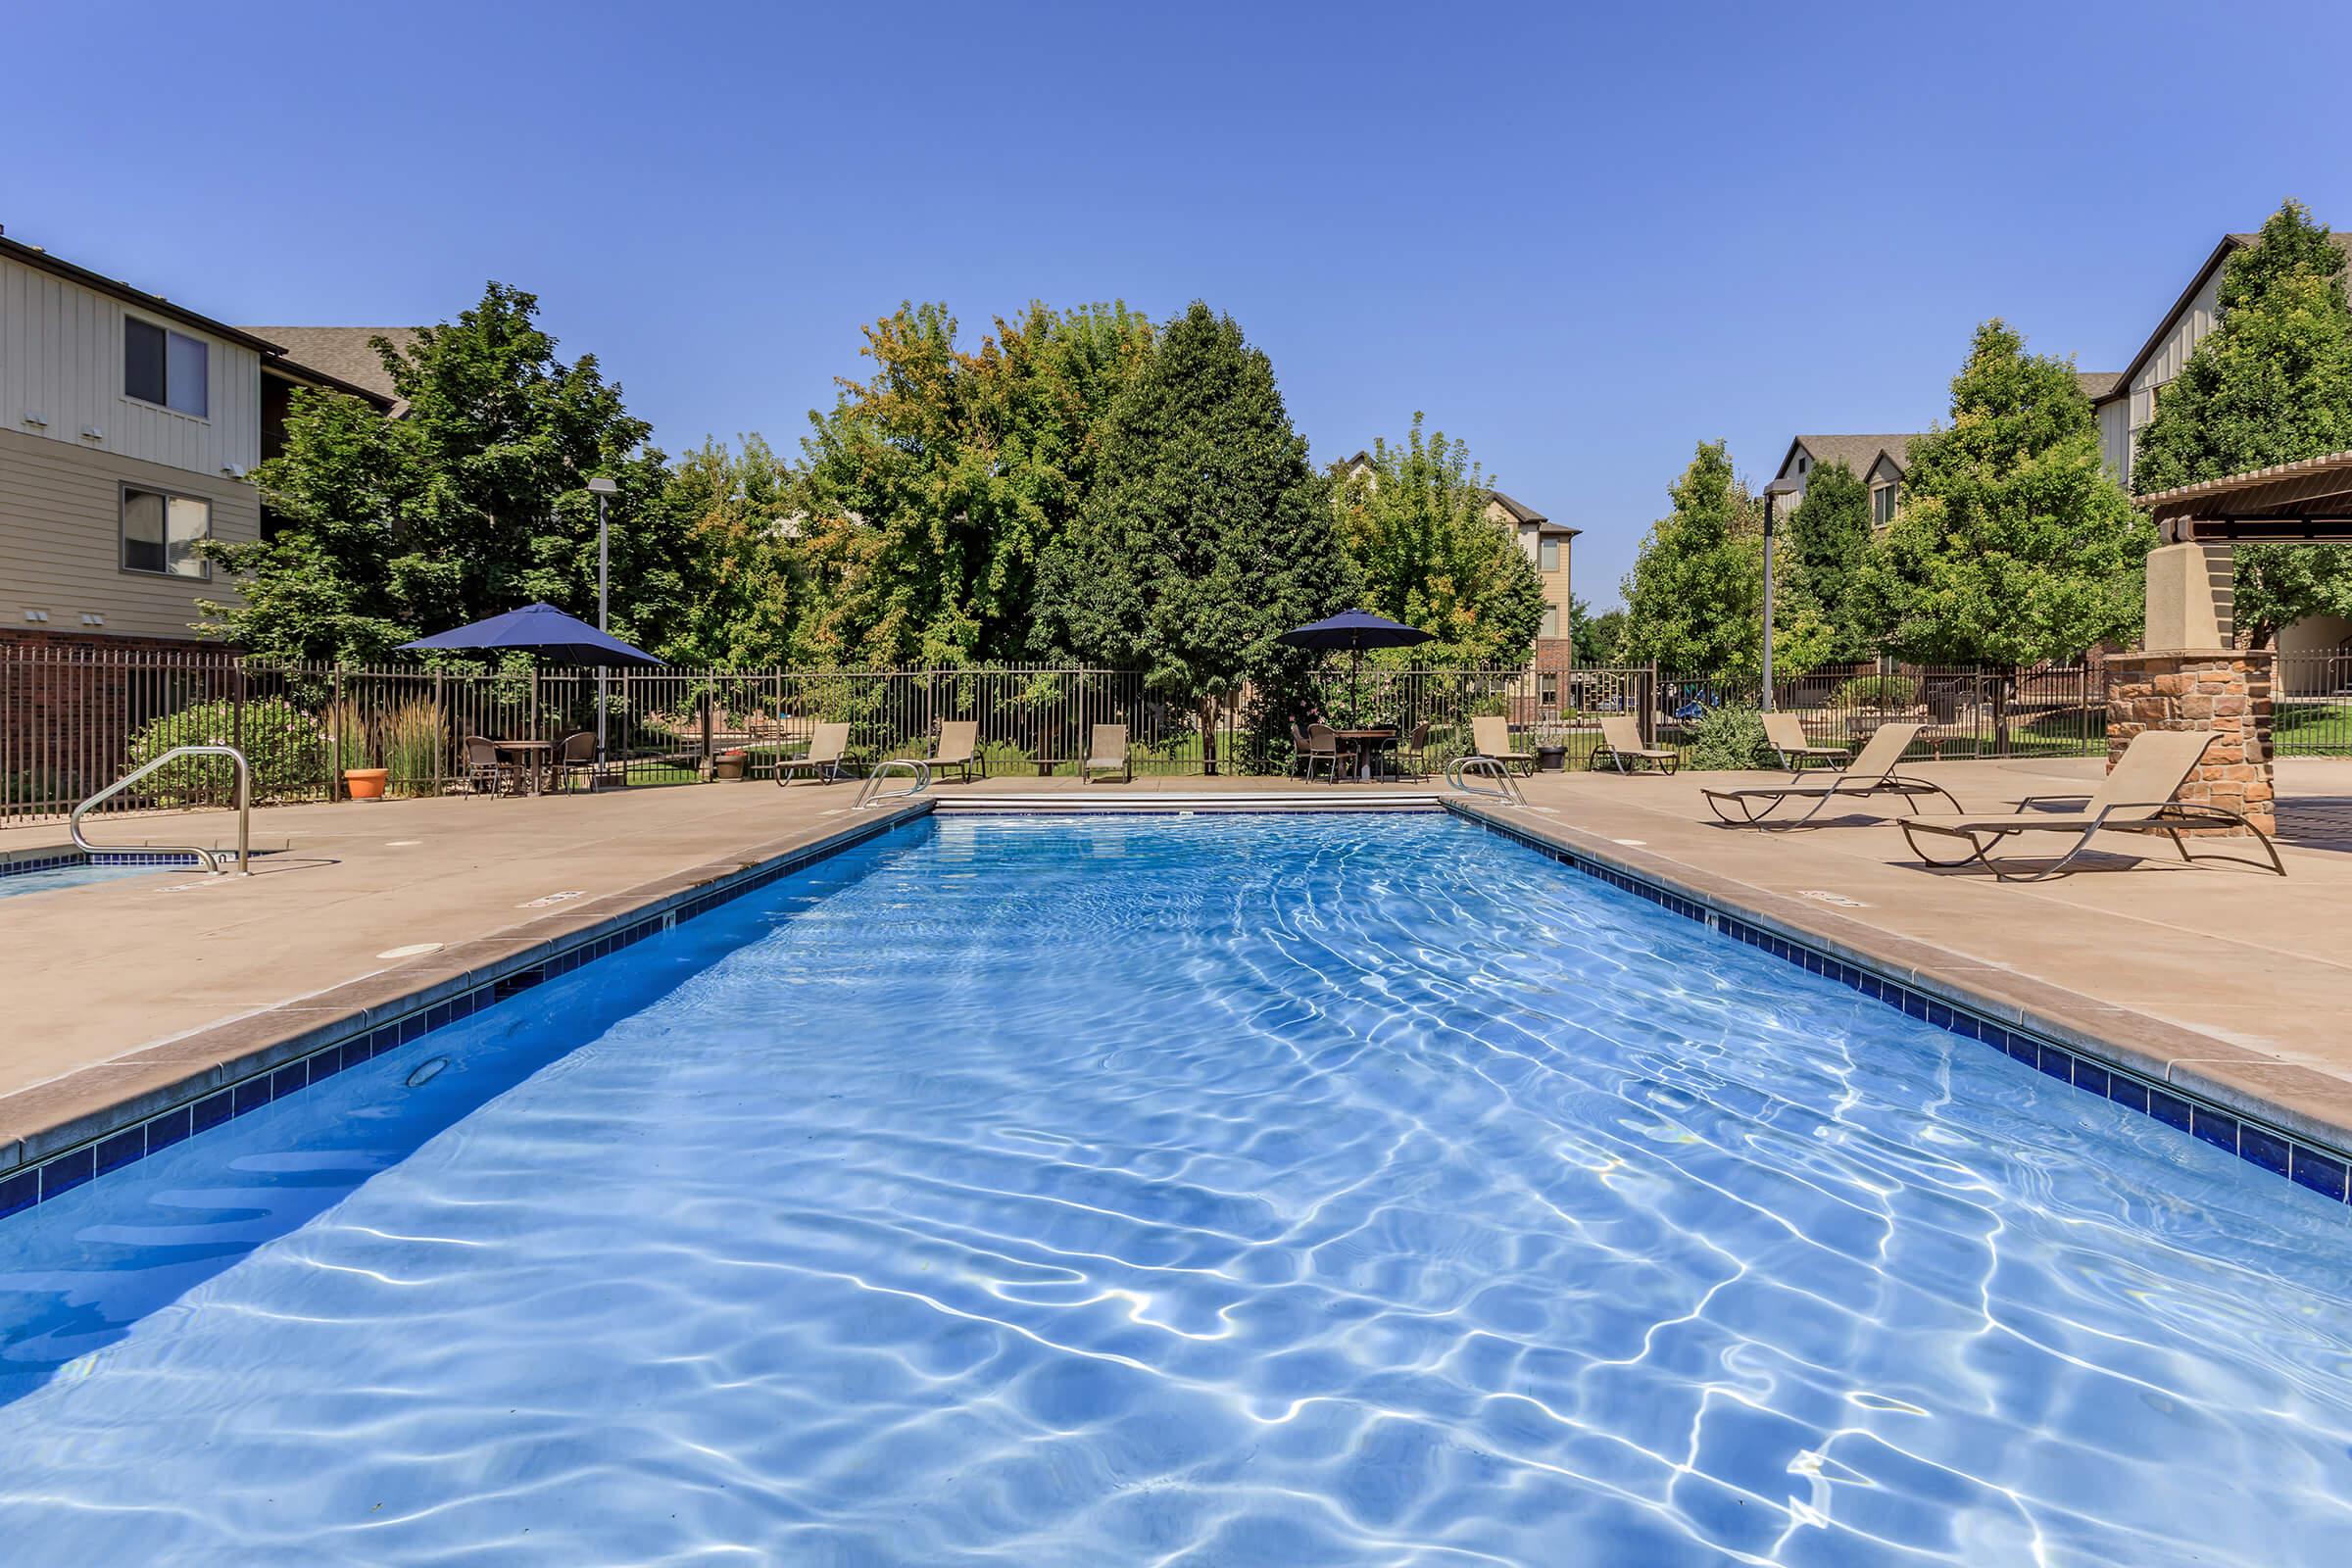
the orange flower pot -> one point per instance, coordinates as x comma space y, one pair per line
366, 783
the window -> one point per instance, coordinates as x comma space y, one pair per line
1551, 622
1547, 690
1802, 464
160, 532
1547, 555
166, 367
1881, 505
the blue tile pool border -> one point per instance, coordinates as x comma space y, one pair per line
53, 1175
2326, 1171
71, 857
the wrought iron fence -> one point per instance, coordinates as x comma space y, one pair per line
2311, 704
75, 717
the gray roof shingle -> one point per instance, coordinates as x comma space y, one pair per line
342, 352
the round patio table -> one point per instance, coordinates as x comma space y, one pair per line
1364, 742
530, 756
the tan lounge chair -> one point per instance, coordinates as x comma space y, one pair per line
958, 748
1786, 733
823, 761
2135, 796
1107, 753
1621, 748
1871, 773
1491, 736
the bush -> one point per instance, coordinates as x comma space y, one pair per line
1728, 739
283, 745
1885, 692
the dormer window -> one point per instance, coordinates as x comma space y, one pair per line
1882, 503
1802, 464
166, 367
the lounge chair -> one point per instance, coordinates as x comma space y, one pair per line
1491, 736
2135, 796
958, 748
1318, 744
1786, 733
823, 761
1871, 773
1107, 753
1621, 748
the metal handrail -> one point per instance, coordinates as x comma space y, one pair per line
1509, 793
916, 768
210, 858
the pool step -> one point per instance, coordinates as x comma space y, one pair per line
1108, 800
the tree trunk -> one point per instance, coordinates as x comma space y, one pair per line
1209, 710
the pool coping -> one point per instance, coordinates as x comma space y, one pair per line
2188, 1080
57, 1135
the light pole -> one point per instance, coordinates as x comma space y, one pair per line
1783, 486
604, 489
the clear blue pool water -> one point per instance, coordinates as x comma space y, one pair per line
1184, 1192
70, 876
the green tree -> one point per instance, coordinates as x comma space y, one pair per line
2271, 383
1824, 549
933, 488
1206, 533
1695, 599
2015, 543
473, 503
755, 594
1415, 526
1595, 639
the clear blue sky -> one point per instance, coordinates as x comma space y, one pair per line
1582, 238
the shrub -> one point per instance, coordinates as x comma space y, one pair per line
283, 745
1728, 739
347, 735
1887, 691
415, 737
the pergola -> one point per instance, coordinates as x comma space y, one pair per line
2308, 500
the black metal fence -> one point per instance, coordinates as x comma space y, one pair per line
2311, 704
75, 717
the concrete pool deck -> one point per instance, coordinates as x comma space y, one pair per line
2230, 980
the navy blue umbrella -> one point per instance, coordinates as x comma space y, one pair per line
540, 630
1354, 630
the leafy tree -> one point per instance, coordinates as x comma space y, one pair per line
1823, 550
1695, 599
1426, 554
1205, 534
2015, 543
934, 489
2271, 383
472, 504
754, 591
1595, 639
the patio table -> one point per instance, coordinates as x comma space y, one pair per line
1364, 742
531, 757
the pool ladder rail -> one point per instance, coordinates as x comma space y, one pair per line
1506, 788
209, 859
871, 792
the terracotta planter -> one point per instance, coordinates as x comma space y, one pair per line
366, 783
725, 767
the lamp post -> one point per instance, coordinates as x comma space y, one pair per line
1783, 486
604, 489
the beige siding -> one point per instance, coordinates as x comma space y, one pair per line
61, 359
2115, 435
2182, 334
61, 540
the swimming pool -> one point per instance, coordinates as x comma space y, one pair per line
1182, 1191
72, 875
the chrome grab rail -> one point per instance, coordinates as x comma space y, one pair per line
916, 769
1509, 793
210, 858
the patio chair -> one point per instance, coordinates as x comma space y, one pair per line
1871, 773
823, 759
574, 759
2135, 796
1107, 753
1413, 753
1491, 736
958, 748
1786, 733
486, 772
1318, 743
1621, 748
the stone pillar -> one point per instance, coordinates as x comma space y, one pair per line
2224, 690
